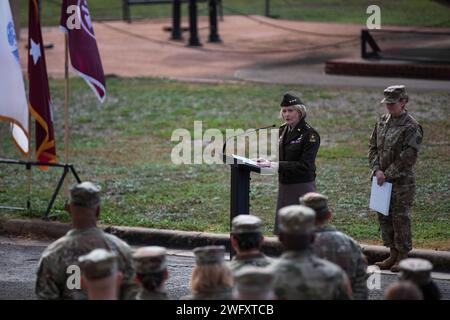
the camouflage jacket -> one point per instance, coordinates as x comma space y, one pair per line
394, 146
55, 280
151, 295
301, 275
218, 294
337, 247
257, 260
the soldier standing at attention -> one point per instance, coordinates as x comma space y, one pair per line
246, 239
393, 151
53, 270
337, 247
151, 272
299, 273
101, 275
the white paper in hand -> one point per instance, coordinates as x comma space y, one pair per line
380, 197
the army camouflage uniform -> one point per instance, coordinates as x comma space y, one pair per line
339, 248
304, 276
393, 149
300, 274
257, 260
52, 276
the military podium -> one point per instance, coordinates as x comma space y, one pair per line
240, 182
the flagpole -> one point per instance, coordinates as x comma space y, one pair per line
66, 98
30, 173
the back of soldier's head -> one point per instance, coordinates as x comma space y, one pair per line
318, 202
101, 274
403, 290
246, 229
151, 266
211, 271
416, 270
296, 225
85, 195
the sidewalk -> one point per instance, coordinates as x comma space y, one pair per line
254, 48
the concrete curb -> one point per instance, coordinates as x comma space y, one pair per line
188, 240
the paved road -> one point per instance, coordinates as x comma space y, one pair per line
19, 258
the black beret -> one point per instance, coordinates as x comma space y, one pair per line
290, 100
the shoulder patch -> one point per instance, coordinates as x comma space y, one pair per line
313, 138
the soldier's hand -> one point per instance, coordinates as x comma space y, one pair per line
381, 178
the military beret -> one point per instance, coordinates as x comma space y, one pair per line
251, 279
296, 219
98, 264
394, 94
246, 223
316, 201
416, 270
85, 194
150, 260
209, 255
290, 100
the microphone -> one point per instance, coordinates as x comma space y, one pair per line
224, 156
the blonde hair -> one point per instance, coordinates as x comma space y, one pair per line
300, 108
209, 277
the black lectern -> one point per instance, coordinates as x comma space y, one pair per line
240, 183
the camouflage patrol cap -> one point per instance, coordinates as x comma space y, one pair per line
85, 194
296, 219
209, 255
394, 94
251, 279
290, 100
416, 270
245, 223
98, 264
316, 201
150, 260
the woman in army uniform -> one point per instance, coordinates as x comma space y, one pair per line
393, 150
298, 147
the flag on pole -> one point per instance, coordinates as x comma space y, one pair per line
13, 101
39, 91
84, 56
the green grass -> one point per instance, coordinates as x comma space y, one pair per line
125, 146
399, 12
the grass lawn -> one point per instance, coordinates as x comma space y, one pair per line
125, 146
399, 12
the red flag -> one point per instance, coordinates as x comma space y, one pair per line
84, 55
39, 91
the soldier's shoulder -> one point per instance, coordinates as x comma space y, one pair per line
411, 121
310, 128
56, 246
327, 268
122, 245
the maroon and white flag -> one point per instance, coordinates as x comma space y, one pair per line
84, 55
39, 91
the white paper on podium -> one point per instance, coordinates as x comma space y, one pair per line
380, 197
264, 170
